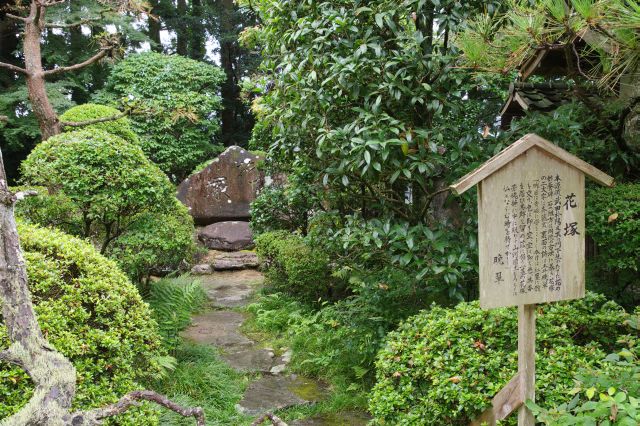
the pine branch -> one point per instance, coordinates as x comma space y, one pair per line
131, 400
13, 68
95, 58
16, 17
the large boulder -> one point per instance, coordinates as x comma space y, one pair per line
224, 189
227, 236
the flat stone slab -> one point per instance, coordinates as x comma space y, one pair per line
345, 418
250, 361
218, 328
271, 393
235, 261
230, 289
227, 236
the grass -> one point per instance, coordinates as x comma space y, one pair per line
202, 379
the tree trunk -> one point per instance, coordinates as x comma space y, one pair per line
229, 89
196, 43
36, 87
53, 375
154, 26
181, 28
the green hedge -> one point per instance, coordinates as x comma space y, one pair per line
120, 127
293, 267
613, 221
443, 366
91, 313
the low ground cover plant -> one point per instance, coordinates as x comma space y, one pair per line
92, 314
443, 366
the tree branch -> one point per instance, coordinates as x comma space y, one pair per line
131, 400
94, 121
275, 420
101, 54
16, 17
13, 68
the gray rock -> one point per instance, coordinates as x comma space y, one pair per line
227, 236
344, 418
224, 189
219, 328
231, 289
236, 260
250, 361
202, 269
278, 369
271, 393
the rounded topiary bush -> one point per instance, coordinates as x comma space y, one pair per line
443, 366
293, 267
120, 127
156, 242
90, 312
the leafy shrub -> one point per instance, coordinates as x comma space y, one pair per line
175, 99
173, 301
443, 366
120, 127
613, 221
92, 314
155, 242
293, 267
45, 209
275, 209
606, 395
104, 188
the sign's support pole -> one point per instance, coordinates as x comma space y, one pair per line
527, 360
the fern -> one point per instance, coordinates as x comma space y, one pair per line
173, 301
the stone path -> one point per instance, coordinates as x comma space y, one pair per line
273, 388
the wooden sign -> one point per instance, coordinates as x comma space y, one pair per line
531, 225
531, 231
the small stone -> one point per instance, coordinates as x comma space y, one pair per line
202, 269
286, 357
278, 369
235, 261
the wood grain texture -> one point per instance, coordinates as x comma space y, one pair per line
509, 399
527, 360
500, 282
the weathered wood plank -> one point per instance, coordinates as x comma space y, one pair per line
509, 399
527, 360
531, 231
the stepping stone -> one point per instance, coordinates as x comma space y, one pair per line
202, 269
218, 328
271, 393
345, 418
227, 236
250, 361
235, 260
231, 289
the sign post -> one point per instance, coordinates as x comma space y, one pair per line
531, 231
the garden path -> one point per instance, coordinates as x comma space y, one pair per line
220, 325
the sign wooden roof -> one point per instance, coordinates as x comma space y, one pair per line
522, 145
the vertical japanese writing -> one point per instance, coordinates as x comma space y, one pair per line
533, 233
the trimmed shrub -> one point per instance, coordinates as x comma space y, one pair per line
443, 366
177, 99
156, 242
91, 313
613, 221
120, 127
293, 267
